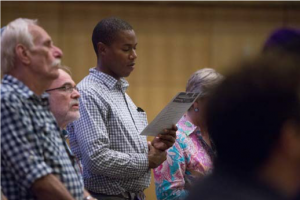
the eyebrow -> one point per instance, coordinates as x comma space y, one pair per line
67, 84
129, 44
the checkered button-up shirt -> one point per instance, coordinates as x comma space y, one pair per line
106, 137
31, 143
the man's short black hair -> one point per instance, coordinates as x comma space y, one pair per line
106, 30
247, 111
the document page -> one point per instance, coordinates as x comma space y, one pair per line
171, 113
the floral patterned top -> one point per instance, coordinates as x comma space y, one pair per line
188, 159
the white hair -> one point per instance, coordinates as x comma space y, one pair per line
16, 32
203, 81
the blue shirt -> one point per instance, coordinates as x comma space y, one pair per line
31, 143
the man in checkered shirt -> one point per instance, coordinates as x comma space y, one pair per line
116, 159
34, 161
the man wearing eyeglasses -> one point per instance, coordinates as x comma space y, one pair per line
63, 98
64, 104
34, 161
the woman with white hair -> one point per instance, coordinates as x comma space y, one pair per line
191, 157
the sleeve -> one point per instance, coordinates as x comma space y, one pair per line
93, 140
20, 150
169, 176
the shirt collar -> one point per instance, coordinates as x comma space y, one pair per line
109, 81
23, 89
186, 126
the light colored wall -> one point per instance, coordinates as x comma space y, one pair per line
174, 38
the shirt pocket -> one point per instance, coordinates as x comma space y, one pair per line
142, 121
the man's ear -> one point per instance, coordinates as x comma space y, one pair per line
22, 54
102, 48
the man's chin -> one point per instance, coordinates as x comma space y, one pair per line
74, 115
54, 73
126, 75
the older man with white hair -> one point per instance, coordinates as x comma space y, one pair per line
34, 161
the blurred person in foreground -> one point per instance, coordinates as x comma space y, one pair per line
116, 159
254, 120
192, 155
34, 161
284, 39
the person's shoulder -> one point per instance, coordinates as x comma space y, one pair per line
180, 135
12, 105
85, 81
90, 84
6, 89
185, 128
9, 95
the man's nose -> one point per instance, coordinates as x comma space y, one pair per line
57, 52
75, 94
133, 55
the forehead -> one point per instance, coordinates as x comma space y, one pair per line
125, 37
62, 79
39, 35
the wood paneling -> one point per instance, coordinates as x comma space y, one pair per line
175, 38
221, 3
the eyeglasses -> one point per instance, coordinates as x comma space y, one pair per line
65, 88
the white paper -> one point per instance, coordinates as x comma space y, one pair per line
171, 113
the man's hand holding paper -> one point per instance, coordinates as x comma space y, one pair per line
165, 140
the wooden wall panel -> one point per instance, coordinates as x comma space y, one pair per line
240, 33
174, 38
292, 17
34, 10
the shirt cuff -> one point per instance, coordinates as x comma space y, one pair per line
36, 172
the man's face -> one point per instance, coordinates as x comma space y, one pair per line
119, 57
45, 57
64, 103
